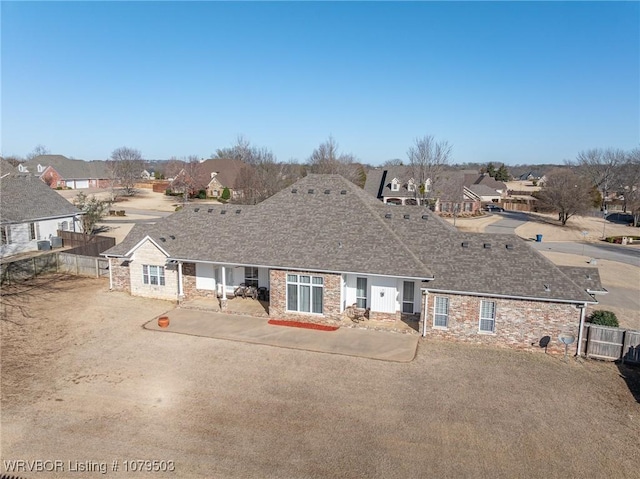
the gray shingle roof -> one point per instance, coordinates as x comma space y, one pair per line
313, 225
70, 169
227, 169
586, 277
25, 197
6, 167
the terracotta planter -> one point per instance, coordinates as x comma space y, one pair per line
163, 321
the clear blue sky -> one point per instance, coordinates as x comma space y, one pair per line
505, 82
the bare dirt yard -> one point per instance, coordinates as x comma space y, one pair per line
551, 229
84, 383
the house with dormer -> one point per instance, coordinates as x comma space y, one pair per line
396, 185
58, 171
323, 245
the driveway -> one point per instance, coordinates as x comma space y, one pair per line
509, 222
629, 254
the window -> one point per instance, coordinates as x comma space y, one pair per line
153, 275
427, 185
304, 293
411, 186
408, 292
33, 231
441, 312
487, 316
361, 292
251, 276
6, 235
395, 185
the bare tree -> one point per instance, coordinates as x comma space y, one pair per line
327, 159
127, 166
262, 176
428, 159
567, 193
39, 150
93, 209
188, 176
629, 181
601, 167
393, 162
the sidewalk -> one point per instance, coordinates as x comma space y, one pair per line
380, 345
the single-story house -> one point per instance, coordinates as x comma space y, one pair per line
223, 173
396, 185
30, 211
323, 244
60, 171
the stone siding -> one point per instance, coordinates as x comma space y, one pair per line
519, 324
189, 284
330, 301
120, 274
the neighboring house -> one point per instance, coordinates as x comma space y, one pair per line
324, 244
485, 188
60, 171
31, 211
147, 175
396, 185
221, 173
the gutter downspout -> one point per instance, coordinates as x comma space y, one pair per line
583, 310
110, 275
425, 313
180, 287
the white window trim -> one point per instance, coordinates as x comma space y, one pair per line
495, 314
366, 291
413, 301
146, 277
435, 302
7, 235
312, 287
395, 185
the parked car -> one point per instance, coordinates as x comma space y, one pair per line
493, 208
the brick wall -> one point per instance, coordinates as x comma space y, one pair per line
519, 324
189, 284
330, 299
120, 274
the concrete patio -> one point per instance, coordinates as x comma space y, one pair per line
349, 341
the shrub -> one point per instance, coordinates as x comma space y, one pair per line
202, 194
604, 318
226, 194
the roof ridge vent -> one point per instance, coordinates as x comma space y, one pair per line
509, 246
223, 212
425, 217
238, 212
163, 239
487, 246
210, 210
406, 217
326, 192
294, 191
343, 192
465, 244
172, 237
310, 191
387, 215
196, 209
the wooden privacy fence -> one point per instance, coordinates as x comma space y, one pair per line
90, 245
53, 263
612, 344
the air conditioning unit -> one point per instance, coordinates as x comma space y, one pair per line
44, 245
56, 242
